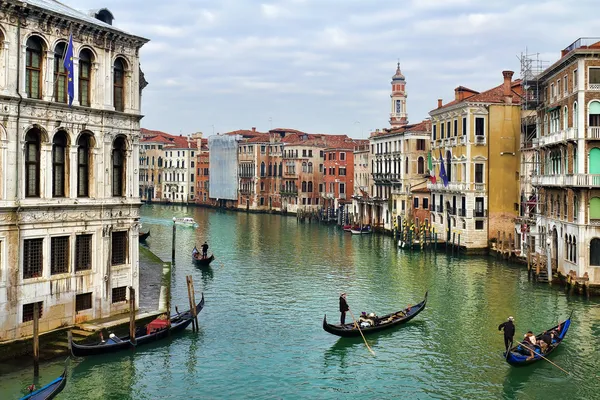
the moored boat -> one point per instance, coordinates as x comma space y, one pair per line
361, 231
518, 355
379, 323
188, 221
50, 390
199, 260
155, 330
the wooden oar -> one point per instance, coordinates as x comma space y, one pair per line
361, 334
522, 344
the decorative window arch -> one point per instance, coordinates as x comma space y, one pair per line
594, 113
262, 169
59, 164
420, 165
565, 118
304, 186
118, 167
310, 187
84, 160
575, 116
32, 162
34, 62
60, 93
304, 167
595, 252
119, 84
310, 167
86, 59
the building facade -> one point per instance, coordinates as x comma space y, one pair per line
568, 146
476, 138
69, 190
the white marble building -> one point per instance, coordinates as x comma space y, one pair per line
69, 202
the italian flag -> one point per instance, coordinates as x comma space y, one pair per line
430, 167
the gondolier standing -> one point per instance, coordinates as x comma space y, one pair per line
204, 250
343, 308
509, 332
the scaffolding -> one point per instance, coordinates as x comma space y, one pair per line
530, 209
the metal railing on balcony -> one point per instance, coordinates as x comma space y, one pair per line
479, 139
586, 180
479, 187
480, 213
593, 132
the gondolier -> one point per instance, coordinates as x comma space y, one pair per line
343, 308
509, 332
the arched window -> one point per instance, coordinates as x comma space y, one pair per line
595, 251
449, 165
85, 77
262, 169
118, 170
160, 162
59, 147
310, 167
33, 67
280, 169
303, 186
420, 166
594, 113
32, 163
575, 116
574, 252
310, 187
406, 165
595, 208
119, 85
270, 169
83, 165
594, 161
60, 93
565, 118
304, 167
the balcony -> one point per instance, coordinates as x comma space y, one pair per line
479, 187
462, 212
440, 208
593, 132
342, 196
246, 175
288, 192
480, 213
584, 180
456, 186
462, 140
246, 191
479, 140
593, 86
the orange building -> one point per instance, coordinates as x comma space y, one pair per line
338, 178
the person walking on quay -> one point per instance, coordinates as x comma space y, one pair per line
509, 332
343, 308
204, 250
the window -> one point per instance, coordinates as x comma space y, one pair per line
59, 147
310, 187
118, 172
425, 203
32, 163
119, 294
441, 130
448, 133
262, 169
434, 133
342, 156
33, 68
575, 80
558, 88
83, 253
455, 127
83, 302
420, 165
342, 171
479, 126
32, 258
119, 248
478, 173
60, 74
342, 188
416, 202
464, 126
28, 311
565, 85
594, 76
479, 224
119, 85
85, 74
304, 186
59, 255
420, 144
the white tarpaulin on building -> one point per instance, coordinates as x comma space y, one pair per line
223, 164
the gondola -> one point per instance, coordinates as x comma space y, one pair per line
155, 330
385, 322
50, 390
518, 356
144, 236
199, 261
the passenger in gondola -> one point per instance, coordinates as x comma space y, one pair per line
343, 308
545, 341
509, 332
530, 342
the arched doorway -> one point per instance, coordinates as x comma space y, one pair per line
595, 252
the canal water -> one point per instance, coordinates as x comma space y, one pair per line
274, 279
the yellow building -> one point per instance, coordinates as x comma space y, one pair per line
476, 136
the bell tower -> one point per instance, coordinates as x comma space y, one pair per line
398, 115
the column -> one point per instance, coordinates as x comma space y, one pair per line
73, 171
75, 80
46, 171
48, 73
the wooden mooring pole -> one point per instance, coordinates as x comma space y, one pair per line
173, 243
36, 339
132, 315
458, 248
192, 300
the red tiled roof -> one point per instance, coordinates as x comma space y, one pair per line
493, 95
423, 126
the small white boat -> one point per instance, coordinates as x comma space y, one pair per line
186, 221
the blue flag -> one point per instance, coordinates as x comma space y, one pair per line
443, 175
68, 63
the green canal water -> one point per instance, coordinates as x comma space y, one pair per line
273, 280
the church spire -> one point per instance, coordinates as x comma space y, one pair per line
398, 115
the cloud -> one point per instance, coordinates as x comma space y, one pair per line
320, 65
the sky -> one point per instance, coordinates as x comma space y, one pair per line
325, 66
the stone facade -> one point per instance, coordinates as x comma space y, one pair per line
69, 197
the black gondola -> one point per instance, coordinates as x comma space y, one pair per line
199, 260
382, 323
144, 236
519, 356
50, 390
143, 335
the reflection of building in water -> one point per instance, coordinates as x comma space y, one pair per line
69, 155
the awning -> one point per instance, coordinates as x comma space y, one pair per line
552, 109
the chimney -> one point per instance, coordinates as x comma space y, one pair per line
457, 93
507, 92
253, 129
439, 103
